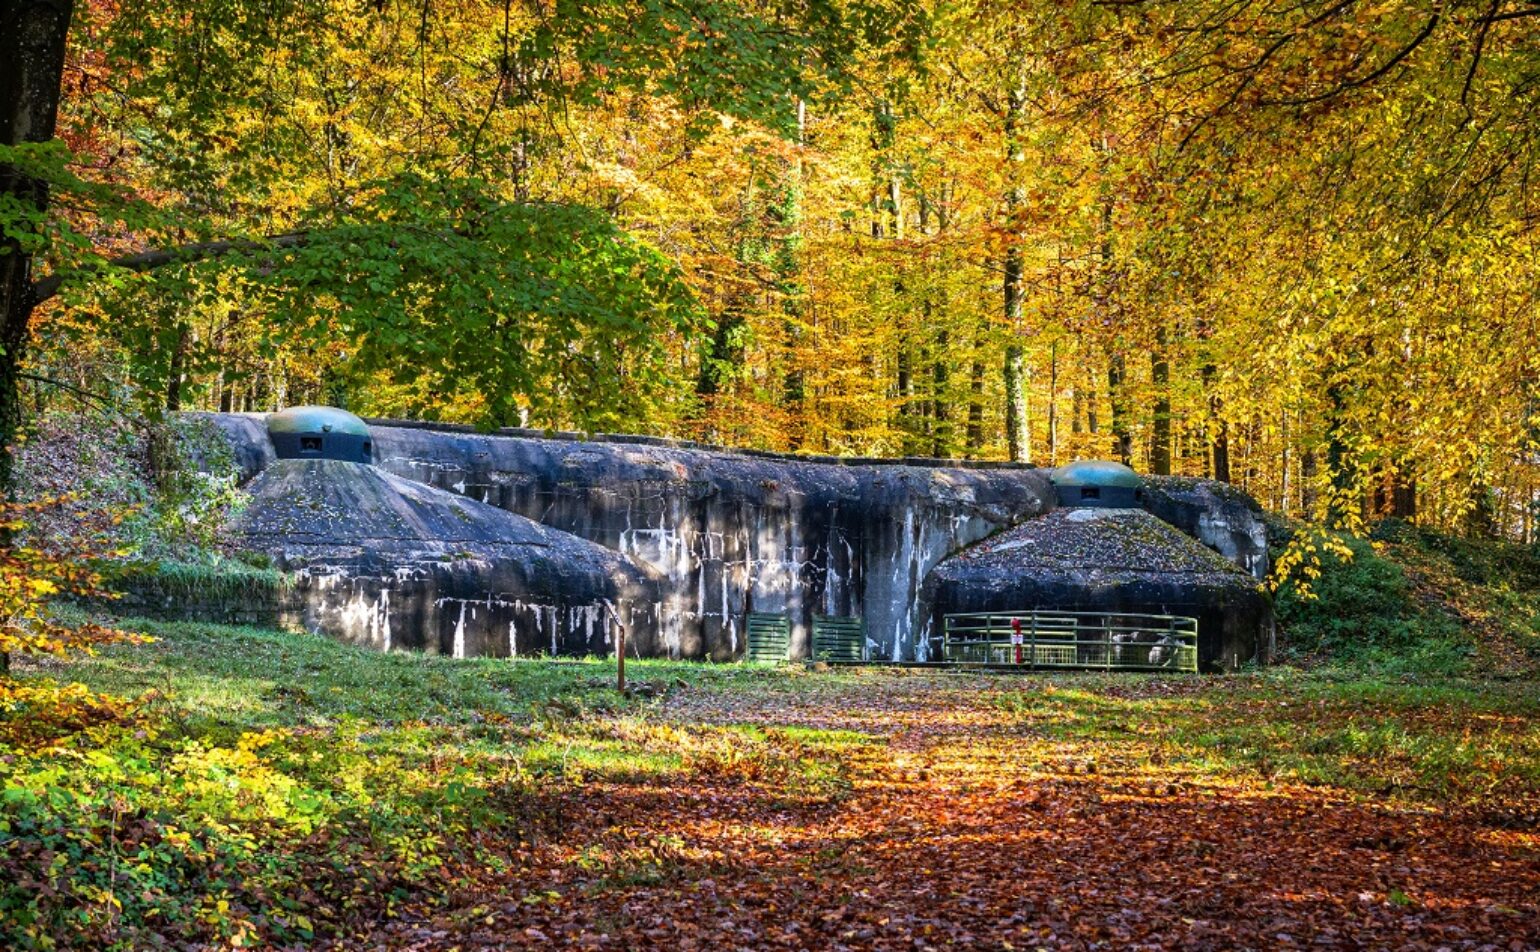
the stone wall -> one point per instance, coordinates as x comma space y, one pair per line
170, 597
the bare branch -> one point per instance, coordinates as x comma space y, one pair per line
1512, 15
106, 402
46, 288
1475, 58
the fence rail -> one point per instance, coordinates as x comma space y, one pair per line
1072, 640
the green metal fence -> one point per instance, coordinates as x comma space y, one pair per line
839, 638
1044, 639
769, 637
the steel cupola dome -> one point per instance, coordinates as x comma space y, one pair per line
1098, 483
310, 432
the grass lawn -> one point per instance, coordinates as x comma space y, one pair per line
275, 789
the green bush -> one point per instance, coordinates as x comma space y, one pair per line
1491, 562
129, 839
235, 580
1365, 613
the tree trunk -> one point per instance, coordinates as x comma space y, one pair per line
1481, 518
1104, 301
884, 185
1308, 470
32, 37
1160, 425
1018, 437
942, 442
1122, 435
940, 380
178, 369
975, 431
1053, 405
1217, 428
794, 385
1286, 463
1337, 471
1403, 497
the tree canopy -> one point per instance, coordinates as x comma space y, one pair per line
1287, 245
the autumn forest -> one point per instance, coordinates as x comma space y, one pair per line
769, 474
1284, 245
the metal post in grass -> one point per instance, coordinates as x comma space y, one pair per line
620, 657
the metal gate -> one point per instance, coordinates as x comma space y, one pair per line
1072, 640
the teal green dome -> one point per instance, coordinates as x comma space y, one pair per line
1096, 472
316, 420
320, 433
1098, 483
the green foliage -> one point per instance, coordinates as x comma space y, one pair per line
69, 248
158, 490
1363, 611
516, 305
717, 56
181, 837
1492, 585
217, 579
195, 476
1413, 599
1491, 562
440, 288
278, 786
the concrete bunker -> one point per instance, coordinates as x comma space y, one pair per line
697, 539
394, 564
1121, 573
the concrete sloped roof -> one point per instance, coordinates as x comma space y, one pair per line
1127, 541
335, 513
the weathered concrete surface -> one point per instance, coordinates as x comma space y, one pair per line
1219, 515
735, 532
1108, 560
387, 562
247, 433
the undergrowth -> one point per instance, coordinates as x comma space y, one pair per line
270, 788
1412, 600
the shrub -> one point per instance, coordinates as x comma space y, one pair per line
1361, 610
34, 569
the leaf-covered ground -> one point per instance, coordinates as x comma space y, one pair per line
1084, 812
286, 791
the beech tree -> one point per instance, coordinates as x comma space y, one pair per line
1288, 247
413, 248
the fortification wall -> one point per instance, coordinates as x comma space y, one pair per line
734, 532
